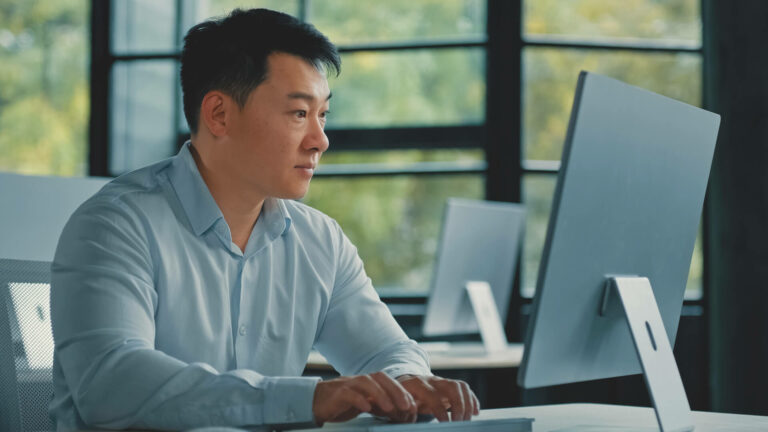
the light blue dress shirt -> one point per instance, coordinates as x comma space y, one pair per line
160, 321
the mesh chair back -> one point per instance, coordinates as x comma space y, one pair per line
26, 346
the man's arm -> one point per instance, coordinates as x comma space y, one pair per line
360, 336
103, 303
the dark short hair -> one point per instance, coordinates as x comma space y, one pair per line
229, 54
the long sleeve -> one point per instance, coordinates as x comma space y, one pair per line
359, 334
103, 306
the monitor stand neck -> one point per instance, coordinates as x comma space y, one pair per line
487, 316
654, 351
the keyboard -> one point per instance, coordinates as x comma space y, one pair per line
368, 423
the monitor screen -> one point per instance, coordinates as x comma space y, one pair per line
480, 241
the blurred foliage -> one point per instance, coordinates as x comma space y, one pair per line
352, 22
402, 157
668, 20
394, 221
409, 88
204, 9
43, 86
549, 81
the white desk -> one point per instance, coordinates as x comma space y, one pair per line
457, 358
577, 417
606, 418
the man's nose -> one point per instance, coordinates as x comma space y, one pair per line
316, 138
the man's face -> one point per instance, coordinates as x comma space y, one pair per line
276, 140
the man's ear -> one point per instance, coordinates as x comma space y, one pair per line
214, 112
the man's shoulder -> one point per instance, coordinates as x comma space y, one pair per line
138, 187
310, 221
300, 210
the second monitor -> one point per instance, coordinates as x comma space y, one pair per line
480, 241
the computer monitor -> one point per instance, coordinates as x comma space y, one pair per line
480, 241
624, 220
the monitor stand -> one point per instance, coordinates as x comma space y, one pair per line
662, 377
487, 316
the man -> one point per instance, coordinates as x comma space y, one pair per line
190, 292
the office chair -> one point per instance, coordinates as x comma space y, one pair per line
26, 346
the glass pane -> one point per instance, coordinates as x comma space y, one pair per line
357, 22
142, 117
538, 191
669, 20
401, 157
44, 88
409, 88
143, 26
394, 221
693, 289
195, 11
550, 75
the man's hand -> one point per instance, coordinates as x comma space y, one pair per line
438, 396
344, 398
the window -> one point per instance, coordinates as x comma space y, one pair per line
654, 45
416, 67
417, 115
44, 87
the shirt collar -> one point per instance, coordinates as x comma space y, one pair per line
275, 217
199, 205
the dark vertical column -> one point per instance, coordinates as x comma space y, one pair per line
503, 121
736, 70
503, 101
98, 131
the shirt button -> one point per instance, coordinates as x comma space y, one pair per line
243, 330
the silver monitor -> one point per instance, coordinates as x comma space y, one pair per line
479, 242
621, 233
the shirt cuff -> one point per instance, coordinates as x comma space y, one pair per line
395, 371
289, 400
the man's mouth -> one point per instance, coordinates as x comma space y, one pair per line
307, 169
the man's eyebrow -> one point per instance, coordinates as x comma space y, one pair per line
306, 96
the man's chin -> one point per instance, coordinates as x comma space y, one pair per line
294, 194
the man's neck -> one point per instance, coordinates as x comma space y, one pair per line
240, 208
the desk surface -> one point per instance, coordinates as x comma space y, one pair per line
459, 357
595, 417
605, 418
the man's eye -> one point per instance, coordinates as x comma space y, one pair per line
301, 113
324, 114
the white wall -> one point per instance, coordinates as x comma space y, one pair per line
33, 211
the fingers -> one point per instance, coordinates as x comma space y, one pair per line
475, 403
354, 399
348, 405
427, 397
374, 392
344, 398
404, 402
334, 400
452, 391
436, 396
470, 408
397, 393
